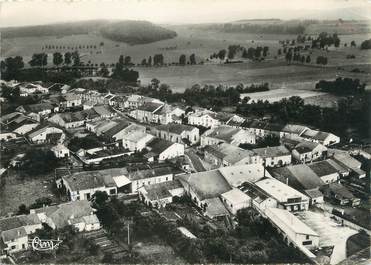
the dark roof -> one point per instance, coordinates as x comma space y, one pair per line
298, 176
116, 129
272, 151
323, 168
162, 190
339, 190
157, 146
305, 147
150, 106
207, 184
38, 107
149, 173
175, 128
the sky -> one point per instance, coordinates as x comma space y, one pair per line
35, 12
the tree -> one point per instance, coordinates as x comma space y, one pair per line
158, 59
353, 43
279, 52
76, 58
308, 59
155, 83
99, 198
182, 59
11, 67
67, 58
366, 45
192, 59
127, 60
144, 62
57, 59
149, 60
121, 60
22, 209
38, 162
221, 54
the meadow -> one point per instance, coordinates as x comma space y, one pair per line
203, 43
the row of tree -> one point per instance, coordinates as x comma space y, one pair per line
183, 59
64, 47
41, 59
342, 86
352, 113
233, 50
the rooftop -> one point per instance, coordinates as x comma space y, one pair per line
230, 153
235, 196
237, 175
157, 146
279, 191
273, 151
149, 173
215, 208
207, 184
287, 221
323, 168
175, 128
150, 106
162, 190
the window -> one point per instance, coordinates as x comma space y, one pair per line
13, 247
308, 242
307, 237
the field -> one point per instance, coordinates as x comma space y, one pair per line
17, 191
203, 43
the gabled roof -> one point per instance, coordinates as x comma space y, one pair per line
298, 176
94, 179
157, 146
230, 153
286, 220
215, 207
150, 106
207, 184
162, 190
149, 173
116, 129
306, 147
224, 133
103, 110
37, 107
273, 151
175, 128
323, 168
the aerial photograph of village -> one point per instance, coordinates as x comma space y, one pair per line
185, 132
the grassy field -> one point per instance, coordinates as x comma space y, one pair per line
17, 191
203, 43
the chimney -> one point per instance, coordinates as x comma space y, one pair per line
72, 216
18, 232
287, 181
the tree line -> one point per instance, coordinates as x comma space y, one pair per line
342, 86
352, 113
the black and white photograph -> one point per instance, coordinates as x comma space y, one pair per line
185, 132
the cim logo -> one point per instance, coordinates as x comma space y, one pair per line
44, 244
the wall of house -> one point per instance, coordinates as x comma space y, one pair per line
7, 136
234, 207
17, 245
330, 178
173, 151
136, 184
26, 128
278, 161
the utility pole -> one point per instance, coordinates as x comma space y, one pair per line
128, 234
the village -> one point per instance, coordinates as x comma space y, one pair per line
178, 163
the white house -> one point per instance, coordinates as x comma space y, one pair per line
292, 229
177, 133
309, 151
324, 138
149, 177
235, 200
227, 134
44, 134
60, 151
274, 156
136, 140
206, 119
161, 150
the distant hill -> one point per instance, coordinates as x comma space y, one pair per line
128, 31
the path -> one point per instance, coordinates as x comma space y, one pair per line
195, 160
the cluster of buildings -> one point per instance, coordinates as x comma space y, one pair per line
302, 171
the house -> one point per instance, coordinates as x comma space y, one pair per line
83, 185
44, 134
206, 188
14, 232
227, 134
309, 151
18, 123
325, 171
116, 132
146, 112
101, 126
60, 151
287, 197
275, 156
339, 194
292, 229
224, 154
160, 194
177, 133
79, 118
324, 138
235, 200
228, 118
206, 119
37, 111
65, 101
347, 161
167, 114
6, 135
78, 214
161, 150
292, 130
302, 178
135, 140
98, 154
26, 89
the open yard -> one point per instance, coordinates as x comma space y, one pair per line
17, 191
330, 233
